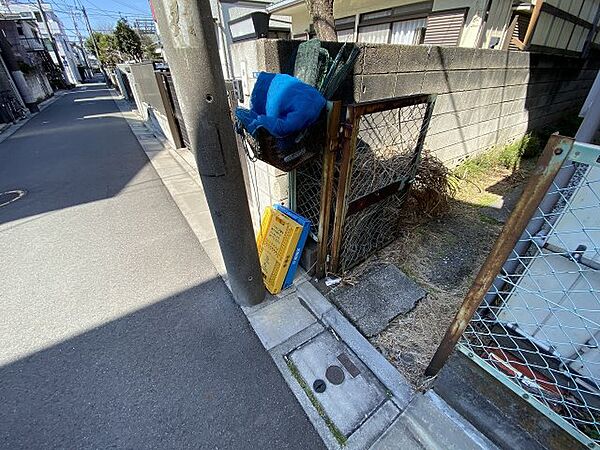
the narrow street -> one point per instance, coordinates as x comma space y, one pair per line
115, 329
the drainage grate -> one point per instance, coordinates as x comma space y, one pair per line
10, 196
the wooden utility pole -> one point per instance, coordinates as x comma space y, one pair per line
189, 38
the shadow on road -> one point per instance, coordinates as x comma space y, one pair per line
76, 151
176, 374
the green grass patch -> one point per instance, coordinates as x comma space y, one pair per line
508, 157
339, 436
489, 220
485, 199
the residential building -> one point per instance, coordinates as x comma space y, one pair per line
83, 63
57, 28
543, 25
242, 20
25, 57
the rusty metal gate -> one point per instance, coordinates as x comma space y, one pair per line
535, 304
356, 191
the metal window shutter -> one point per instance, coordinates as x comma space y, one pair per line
444, 28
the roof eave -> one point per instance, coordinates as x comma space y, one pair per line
276, 7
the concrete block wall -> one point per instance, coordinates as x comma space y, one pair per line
485, 97
147, 97
266, 184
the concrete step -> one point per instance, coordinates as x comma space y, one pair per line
497, 412
429, 423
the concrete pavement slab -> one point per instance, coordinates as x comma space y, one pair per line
381, 295
280, 320
346, 389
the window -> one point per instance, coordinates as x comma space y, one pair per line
38, 16
20, 31
400, 25
345, 35
445, 27
374, 34
344, 29
408, 32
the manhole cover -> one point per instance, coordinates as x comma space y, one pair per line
10, 196
335, 375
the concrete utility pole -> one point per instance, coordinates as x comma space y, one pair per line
190, 42
93, 38
80, 39
52, 41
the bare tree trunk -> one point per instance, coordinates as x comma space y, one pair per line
321, 12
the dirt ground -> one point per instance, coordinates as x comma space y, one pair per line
443, 255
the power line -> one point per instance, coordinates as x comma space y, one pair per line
94, 6
119, 2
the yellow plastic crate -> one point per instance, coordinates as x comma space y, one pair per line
276, 242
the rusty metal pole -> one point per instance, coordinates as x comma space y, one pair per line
555, 153
333, 135
188, 34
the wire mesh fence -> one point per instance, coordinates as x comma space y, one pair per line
377, 224
539, 324
386, 148
379, 163
309, 178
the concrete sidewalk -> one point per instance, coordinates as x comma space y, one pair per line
116, 329
373, 406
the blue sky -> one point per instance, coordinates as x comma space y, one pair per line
103, 14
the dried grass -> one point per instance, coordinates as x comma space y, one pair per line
431, 191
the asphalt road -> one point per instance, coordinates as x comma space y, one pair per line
115, 329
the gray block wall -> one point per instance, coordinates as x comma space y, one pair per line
146, 93
485, 97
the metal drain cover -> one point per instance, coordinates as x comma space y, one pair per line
11, 196
346, 399
335, 375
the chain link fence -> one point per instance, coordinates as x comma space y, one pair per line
309, 179
538, 326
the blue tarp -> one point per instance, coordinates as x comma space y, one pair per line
282, 105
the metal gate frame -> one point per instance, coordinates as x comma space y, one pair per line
330, 205
519, 232
344, 206
167, 88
